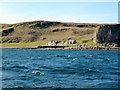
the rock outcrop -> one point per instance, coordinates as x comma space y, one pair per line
43, 24
108, 34
7, 31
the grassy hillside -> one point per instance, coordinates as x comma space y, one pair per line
41, 32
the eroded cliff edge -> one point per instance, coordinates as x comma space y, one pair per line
108, 34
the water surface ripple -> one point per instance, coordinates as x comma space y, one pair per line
32, 68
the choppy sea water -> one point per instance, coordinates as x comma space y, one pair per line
35, 68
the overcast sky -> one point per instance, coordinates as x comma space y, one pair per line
82, 12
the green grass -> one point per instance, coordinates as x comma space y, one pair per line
33, 44
22, 44
80, 42
91, 43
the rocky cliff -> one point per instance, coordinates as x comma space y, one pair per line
7, 31
108, 34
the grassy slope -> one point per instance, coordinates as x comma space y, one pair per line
22, 44
34, 36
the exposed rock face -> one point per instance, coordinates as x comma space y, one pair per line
108, 34
42, 25
7, 31
11, 39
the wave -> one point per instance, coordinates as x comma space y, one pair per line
37, 72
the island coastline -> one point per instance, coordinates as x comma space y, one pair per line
62, 48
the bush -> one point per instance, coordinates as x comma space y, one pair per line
85, 41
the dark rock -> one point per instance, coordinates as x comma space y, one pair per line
55, 30
108, 34
41, 25
11, 39
7, 31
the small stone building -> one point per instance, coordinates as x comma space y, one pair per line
71, 42
53, 43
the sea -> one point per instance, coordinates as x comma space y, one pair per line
40, 68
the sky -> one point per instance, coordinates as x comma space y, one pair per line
80, 12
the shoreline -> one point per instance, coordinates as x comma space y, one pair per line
62, 48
